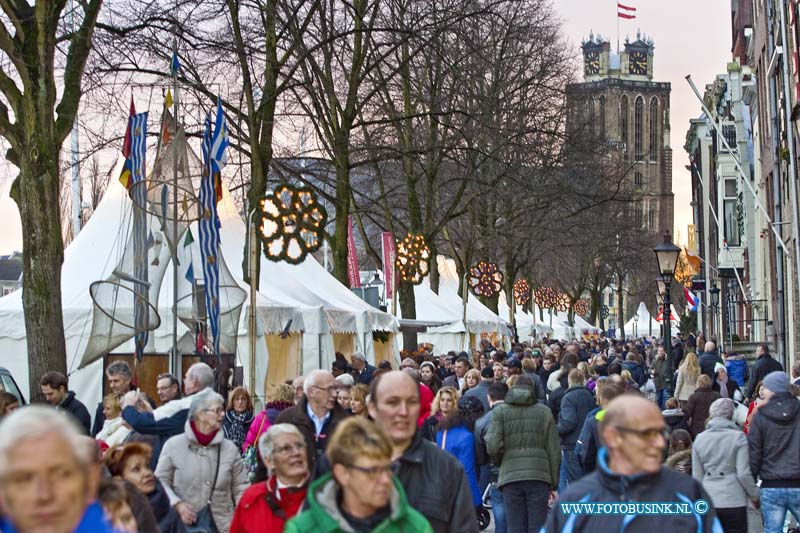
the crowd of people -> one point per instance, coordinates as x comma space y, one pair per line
428, 447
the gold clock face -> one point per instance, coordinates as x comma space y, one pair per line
638, 63
592, 63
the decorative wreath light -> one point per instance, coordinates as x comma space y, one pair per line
522, 291
562, 302
581, 307
485, 279
412, 258
291, 223
545, 297
604, 312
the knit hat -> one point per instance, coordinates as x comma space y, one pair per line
777, 382
487, 372
718, 367
722, 408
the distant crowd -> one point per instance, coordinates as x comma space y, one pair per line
445, 443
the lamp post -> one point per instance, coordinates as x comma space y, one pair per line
667, 256
714, 291
662, 289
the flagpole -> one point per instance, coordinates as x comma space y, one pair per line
176, 363
618, 32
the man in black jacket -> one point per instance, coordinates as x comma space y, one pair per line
630, 471
362, 370
774, 445
54, 389
575, 405
496, 396
709, 359
764, 364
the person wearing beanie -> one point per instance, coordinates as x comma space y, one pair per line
774, 446
724, 385
721, 463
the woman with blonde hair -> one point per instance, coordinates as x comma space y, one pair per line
444, 403
239, 416
358, 400
687, 378
471, 380
114, 430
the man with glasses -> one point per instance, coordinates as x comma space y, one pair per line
119, 377
360, 493
167, 388
316, 414
629, 470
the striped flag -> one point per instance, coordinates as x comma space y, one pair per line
691, 299
219, 144
626, 12
136, 164
209, 234
125, 175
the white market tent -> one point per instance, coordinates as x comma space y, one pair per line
643, 324
527, 325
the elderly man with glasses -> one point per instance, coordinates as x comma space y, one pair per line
167, 388
316, 414
629, 472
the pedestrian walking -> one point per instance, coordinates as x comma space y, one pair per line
454, 434
576, 404
698, 405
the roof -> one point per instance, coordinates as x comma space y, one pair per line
11, 267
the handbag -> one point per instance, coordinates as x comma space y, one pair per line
205, 520
251, 454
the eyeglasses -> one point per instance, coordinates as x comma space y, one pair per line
289, 448
330, 389
646, 434
373, 472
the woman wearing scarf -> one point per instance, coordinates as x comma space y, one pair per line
238, 417
725, 386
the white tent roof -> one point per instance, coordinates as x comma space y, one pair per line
526, 323
643, 323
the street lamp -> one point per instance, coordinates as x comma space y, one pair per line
714, 292
667, 256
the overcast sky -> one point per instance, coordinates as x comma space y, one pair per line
691, 37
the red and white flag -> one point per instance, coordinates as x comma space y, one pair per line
353, 275
626, 12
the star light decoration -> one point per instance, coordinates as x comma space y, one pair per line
485, 279
522, 291
581, 307
291, 223
412, 258
545, 297
605, 311
562, 302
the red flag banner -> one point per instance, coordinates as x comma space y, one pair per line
387, 240
626, 12
352, 259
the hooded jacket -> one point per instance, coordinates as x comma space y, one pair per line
774, 442
606, 486
575, 405
697, 409
720, 461
523, 440
324, 516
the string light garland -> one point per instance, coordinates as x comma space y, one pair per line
412, 258
545, 297
581, 307
291, 223
522, 291
485, 279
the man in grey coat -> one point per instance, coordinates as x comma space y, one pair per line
721, 462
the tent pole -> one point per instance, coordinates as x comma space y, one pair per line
251, 328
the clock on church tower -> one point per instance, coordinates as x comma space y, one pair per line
591, 63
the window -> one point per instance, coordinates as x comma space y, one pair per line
592, 130
651, 216
637, 215
729, 132
638, 180
653, 148
603, 118
623, 122
638, 118
730, 211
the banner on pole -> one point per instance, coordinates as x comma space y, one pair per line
388, 246
352, 259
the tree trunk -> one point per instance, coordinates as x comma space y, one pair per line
42, 258
408, 305
620, 310
339, 244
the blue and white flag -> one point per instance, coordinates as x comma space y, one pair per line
141, 291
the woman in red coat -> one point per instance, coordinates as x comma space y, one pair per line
268, 505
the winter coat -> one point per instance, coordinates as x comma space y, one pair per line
523, 440
637, 373
481, 454
261, 510
685, 385
187, 470
365, 376
575, 405
602, 485
324, 516
680, 462
113, 432
737, 369
481, 392
731, 386
675, 419
267, 418
74, 407
460, 442
435, 485
721, 462
697, 409
660, 373
236, 426
774, 442
707, 361
165, 422
169, 521
589, 440
426, 396
763, 366
298, 416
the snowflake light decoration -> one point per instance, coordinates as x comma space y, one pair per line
412, 258
485, 279
545, 297
562, 302
581, 307
291, 223
522, 291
